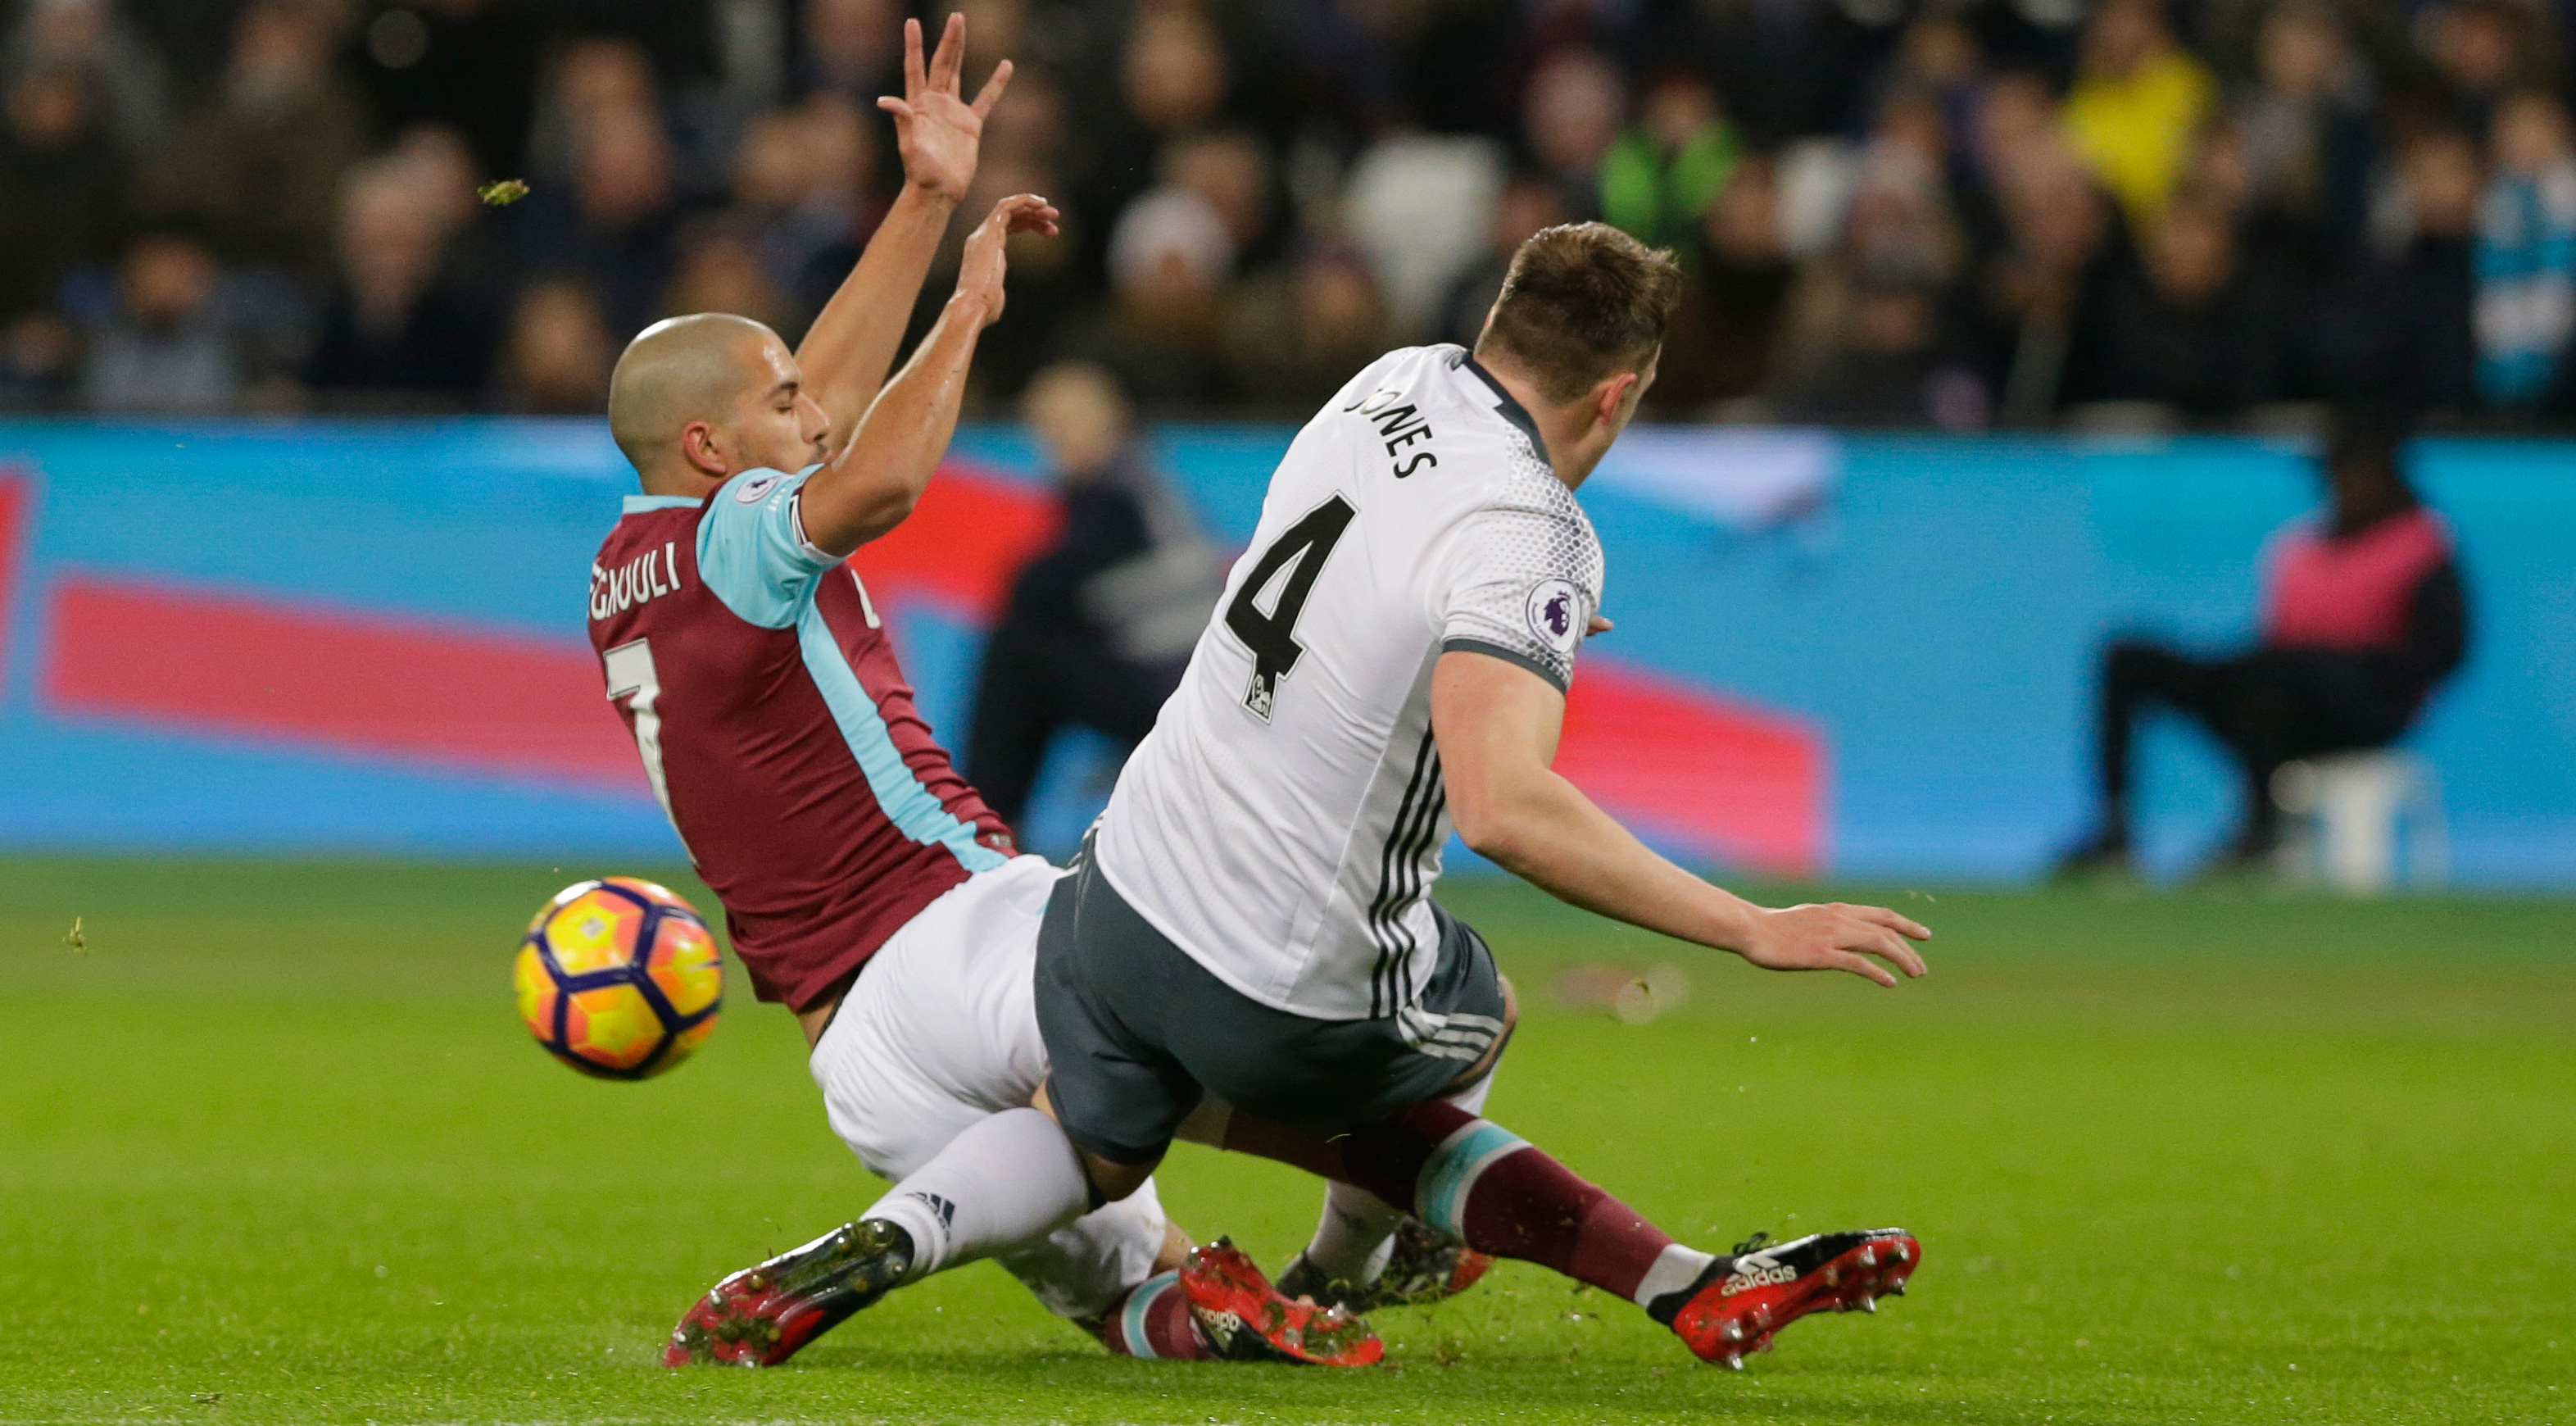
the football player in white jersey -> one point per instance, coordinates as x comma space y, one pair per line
1247, 953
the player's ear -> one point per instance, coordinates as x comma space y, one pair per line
1611, 395
700, 447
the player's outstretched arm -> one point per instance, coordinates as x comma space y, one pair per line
873, 482
1497, 726
847, 351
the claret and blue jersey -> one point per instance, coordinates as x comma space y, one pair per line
778, 730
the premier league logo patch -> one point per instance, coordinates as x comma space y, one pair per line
750, 491
1556, 614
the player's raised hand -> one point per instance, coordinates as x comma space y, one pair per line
936, 130
979, 277
1833, 936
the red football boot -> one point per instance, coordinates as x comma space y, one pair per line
1744, 1299
1425, 1266
763, 1315
1245, 1319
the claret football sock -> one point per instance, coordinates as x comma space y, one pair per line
1481, 1183
1005, 1181
1356, 1234
1153, 1320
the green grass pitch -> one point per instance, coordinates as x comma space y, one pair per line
273, 1147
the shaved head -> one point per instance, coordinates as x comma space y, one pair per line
683, 370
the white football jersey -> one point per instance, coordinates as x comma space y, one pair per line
1284, 821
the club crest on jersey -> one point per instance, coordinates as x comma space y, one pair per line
1555, 612
750, 491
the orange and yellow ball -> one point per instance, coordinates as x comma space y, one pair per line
619, 978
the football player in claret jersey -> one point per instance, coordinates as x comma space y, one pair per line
865, 885
1247, 954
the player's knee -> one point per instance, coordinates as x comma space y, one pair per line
1114, 1182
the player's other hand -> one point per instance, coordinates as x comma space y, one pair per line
935, 129
979, 277
1834, 936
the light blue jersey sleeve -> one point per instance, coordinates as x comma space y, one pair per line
752, 550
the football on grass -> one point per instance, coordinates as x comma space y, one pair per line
619, 978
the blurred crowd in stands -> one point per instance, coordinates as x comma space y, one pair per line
1947, 213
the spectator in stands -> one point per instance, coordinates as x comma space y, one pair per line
720, 271
2395, 330
397, 329
441, 169
39, 359
1576, 106
2010, 126
1727, 326
1886, 366
62, 189
559, 353
800, 190
1664, 171
2363, 616
168, 346
617, 229
1528, 203
1939, 55
1046, 281
2195, 328
1231, 174
1293, 337
260, 163
129, 82
2526, 254
2042, 297
1161, 333
1100, 624
1174, 70
2483, 50
1866, 342
593, 80
2138, 98
2304, 136
1174, 81
853, 49
2336, 157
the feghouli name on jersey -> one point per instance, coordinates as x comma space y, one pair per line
650, 576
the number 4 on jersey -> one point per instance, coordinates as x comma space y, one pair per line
1272, 636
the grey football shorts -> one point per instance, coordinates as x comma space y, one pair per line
1138, 1032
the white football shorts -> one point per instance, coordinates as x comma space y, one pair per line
941, 1030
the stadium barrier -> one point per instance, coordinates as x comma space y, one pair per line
1867, 656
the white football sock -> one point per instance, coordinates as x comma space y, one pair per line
1005, 1182
1356, 1235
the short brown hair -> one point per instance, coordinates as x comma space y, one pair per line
1582, 300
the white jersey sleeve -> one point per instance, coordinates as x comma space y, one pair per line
1522, 581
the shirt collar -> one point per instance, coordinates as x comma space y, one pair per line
1510, 409
638, 504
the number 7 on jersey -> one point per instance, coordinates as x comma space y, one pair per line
631, 674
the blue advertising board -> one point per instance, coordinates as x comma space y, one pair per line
367, 638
